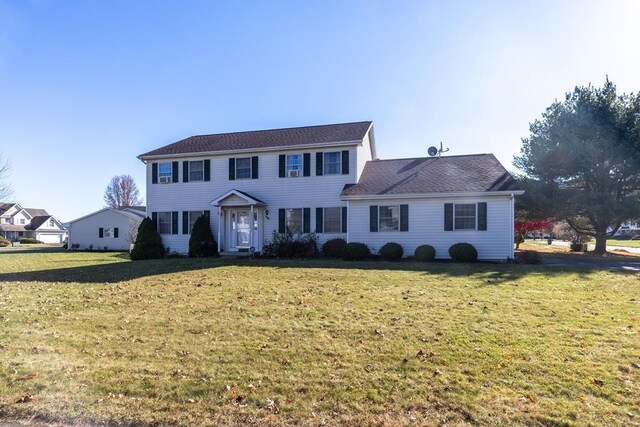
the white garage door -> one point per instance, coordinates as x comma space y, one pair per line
49, 238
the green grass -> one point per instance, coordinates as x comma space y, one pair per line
624, 243
96, 338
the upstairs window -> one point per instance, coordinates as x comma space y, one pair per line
294, 165
243, 168
51, 223
165, 173
196, 170
332, 163
22, 221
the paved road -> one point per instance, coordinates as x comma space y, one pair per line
604, 264
592, 247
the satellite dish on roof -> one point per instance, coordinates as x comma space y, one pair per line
433, 151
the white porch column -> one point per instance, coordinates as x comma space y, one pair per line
219, 228
251, 228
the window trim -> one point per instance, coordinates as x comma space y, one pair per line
168, 176
475, 215
380, 218
299, 170
250, 167
324, 163
105, 234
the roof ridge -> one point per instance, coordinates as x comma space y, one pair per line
432, 157
276, 129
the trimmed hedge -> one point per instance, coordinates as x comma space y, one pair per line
148, 243
289, 245
333, 247
27, 240
463, 252
425, 253
201, 243
391, 251
4, 243
355, 251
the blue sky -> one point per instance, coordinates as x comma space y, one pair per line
86, 86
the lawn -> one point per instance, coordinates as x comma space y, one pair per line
95, 338
624, 243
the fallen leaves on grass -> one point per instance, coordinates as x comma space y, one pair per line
25, 399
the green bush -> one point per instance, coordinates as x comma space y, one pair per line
332, 248
27, 240
289, 245
463, 252
425, 253
391, 251
355, 251
4, 243
201, 243
148, 243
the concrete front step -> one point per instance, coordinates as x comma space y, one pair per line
235, 254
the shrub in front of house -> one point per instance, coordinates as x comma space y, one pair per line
333, 247
355, 251
4, 243
201, 243
291, 245
148, 244
391, 251
528, 257
27, 240
425, 253
463, 252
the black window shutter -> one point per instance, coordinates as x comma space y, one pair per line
101, 232
154, 173
174, 222
319, 167
319, 220
345, 162
282, 169
254, 167
306, 220
115, 232
207, 170
232, 169
306, 164
185, 171
185, 222
154, 219
175, 177
448, 217
344, 219
482, 216
373, 219
282, 220
404, 217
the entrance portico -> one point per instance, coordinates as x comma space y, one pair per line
240, 221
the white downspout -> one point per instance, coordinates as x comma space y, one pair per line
348, 218
512, 222
251, 228
219, 227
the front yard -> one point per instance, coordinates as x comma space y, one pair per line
93, 337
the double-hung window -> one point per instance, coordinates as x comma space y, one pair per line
164, 223
332, 220
193, 216
52, 223
165, 173
22, 221
108, 233
243, 168
294, 220
465, 216
196, 170
294, 165
332, 163
389, 218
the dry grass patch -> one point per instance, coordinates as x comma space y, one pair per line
197, 342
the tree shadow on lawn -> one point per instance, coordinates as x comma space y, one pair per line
488, 274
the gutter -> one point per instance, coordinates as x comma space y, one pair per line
431, 195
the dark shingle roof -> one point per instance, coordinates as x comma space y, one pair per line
5, 207
36, 212
39, 220
452, 174
307, 135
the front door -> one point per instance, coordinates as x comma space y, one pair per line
243, 229
240, 228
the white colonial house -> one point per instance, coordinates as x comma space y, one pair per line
327, 180
16, 221
106, 229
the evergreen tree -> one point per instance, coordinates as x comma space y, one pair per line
148, 243
201, 243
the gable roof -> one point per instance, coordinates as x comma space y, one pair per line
37, 221
5, 207
123, 211
249, 199
36, 212
424, 175
260, 139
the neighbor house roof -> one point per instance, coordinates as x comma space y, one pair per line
259, 139
5, 207
450, 174
37, 221
37, 212
12, 227
122, 211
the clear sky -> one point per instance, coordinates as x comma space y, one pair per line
86, 86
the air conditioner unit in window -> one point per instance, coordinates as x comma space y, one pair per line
294, 173
165, 179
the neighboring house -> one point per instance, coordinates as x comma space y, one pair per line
111, 229
324, 179
628, 229
16, 221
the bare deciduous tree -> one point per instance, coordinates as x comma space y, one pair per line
6, 190
122, 192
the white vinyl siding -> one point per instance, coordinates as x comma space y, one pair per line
84, 232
